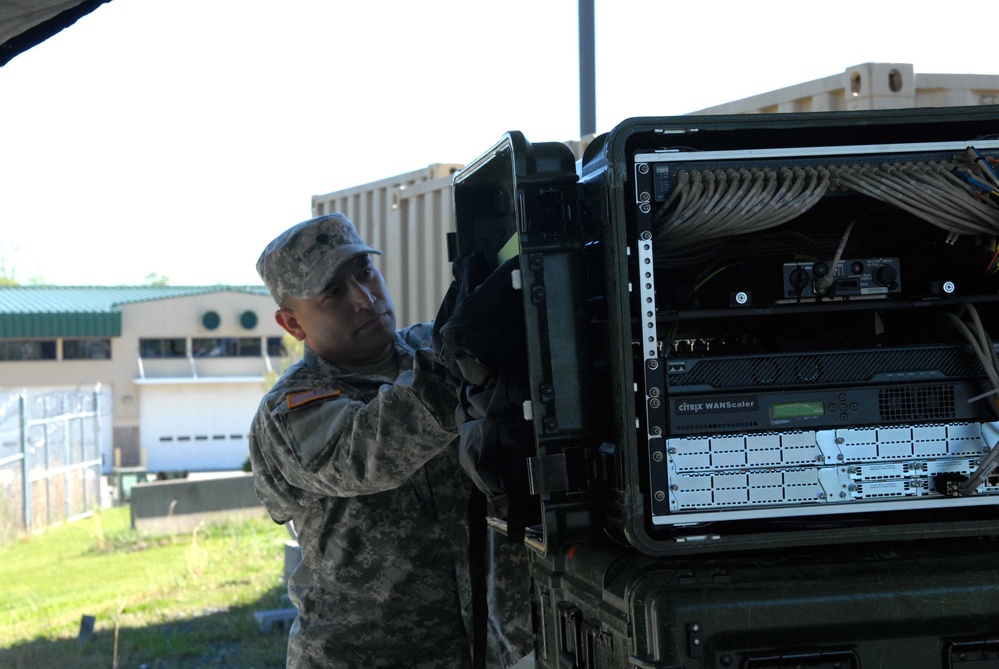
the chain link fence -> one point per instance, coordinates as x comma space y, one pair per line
50, 456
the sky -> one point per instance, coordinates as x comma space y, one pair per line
178, 137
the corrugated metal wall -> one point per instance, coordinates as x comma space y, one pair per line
407, 217
871, 86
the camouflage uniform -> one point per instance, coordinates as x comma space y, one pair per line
367, 469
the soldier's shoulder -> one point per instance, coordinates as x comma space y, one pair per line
301, 382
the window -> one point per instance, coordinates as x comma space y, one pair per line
86, 349
163, 348
275, 347
28, 349
226, 347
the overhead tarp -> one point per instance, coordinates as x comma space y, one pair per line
26, 23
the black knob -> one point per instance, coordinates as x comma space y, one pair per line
798, 279
884, 275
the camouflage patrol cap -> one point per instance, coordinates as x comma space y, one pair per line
302, 260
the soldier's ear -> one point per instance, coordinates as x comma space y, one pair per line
287, 320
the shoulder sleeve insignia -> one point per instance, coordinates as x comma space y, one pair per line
296, 400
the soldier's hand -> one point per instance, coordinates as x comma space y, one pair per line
429, 370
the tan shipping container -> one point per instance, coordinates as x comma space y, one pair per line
870, 86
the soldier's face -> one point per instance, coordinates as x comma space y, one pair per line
351, 323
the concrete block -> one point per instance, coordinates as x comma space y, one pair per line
181, 505
283, 618
86, 629
292, 558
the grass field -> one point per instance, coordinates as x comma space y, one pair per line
180, 601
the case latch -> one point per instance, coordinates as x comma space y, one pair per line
572, 470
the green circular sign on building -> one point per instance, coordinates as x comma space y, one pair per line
211, 320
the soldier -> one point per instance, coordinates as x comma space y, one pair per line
356, 445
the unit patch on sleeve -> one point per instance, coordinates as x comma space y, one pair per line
296, 400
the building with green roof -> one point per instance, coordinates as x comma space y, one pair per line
186, 365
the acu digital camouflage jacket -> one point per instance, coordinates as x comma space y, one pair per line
367, 470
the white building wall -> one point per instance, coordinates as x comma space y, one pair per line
197, 426
216, 391
192, 397
182, 317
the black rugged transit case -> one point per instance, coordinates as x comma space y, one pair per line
760, 331
902, 605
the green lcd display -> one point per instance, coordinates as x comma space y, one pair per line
788, 410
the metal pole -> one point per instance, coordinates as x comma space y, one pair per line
25, 461
67, 447
587, 70
48, 462
98, 454
97, 449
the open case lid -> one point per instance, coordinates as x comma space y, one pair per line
520, 200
